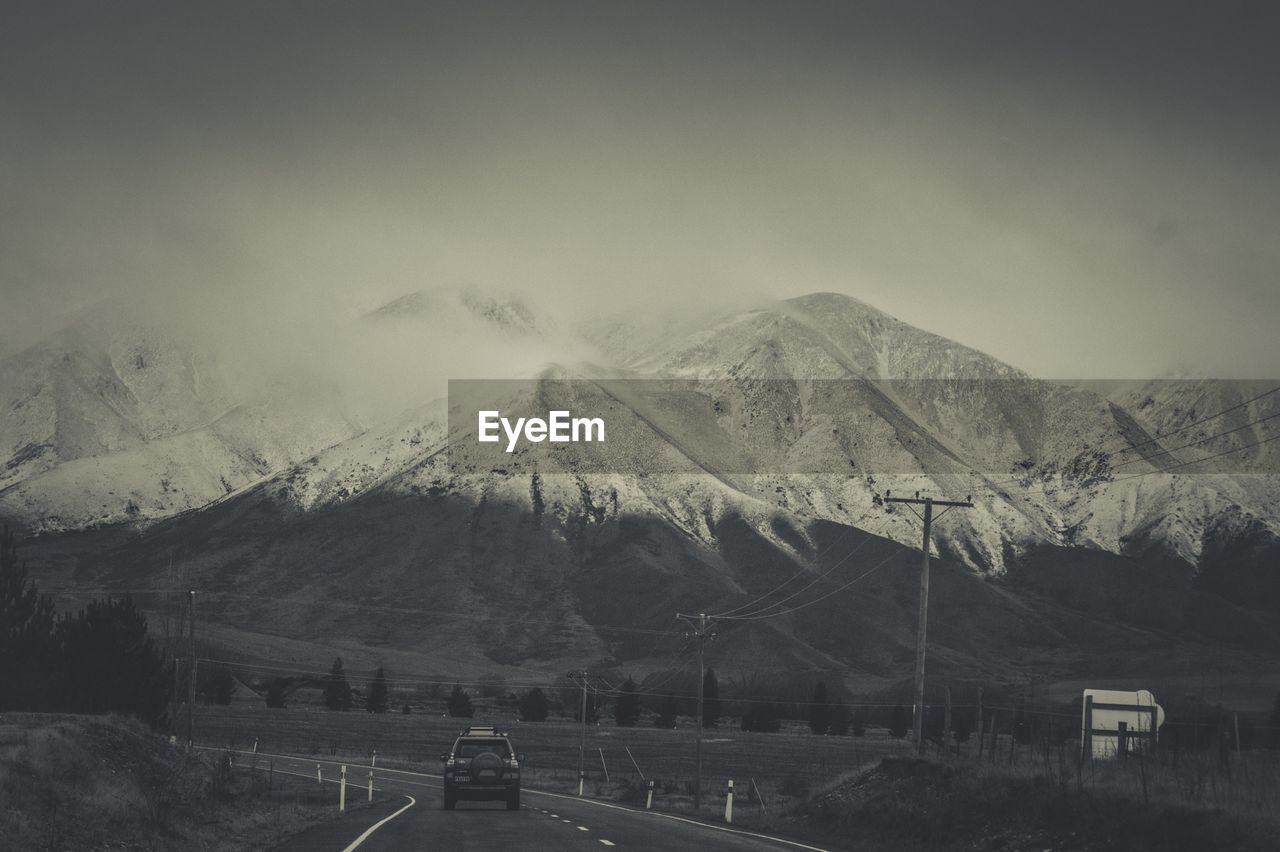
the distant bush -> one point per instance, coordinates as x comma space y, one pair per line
460, 703
533, 706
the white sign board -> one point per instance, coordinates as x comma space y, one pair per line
1103, 712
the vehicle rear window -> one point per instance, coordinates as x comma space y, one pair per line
470, 748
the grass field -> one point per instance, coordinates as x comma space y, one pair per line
785, 766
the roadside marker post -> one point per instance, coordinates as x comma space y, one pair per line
255, 745
319, 780
633, 763
371, 785
728, 803
342, 791
648, 799
374, 762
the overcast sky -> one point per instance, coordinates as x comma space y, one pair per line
1082, 189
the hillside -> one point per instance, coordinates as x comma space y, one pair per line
74, 782
746, 451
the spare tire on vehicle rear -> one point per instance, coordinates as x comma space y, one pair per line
486, 766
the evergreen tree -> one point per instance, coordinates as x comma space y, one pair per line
667, 718
898, 722
711, 709
275, 693
26, 635
376, 702
533, 706
819, 710
460, 703
841, 720
626, 710
337, 692
106, 662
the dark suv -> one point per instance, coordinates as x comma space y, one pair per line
482, 765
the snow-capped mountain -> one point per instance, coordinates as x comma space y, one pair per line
791, 421
109, 421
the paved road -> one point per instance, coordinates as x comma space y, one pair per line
416, 820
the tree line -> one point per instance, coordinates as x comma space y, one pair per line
97, 660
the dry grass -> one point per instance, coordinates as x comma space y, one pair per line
70, 782
1048, 799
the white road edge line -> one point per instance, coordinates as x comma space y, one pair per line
379, 824
657, 814
583, 828
794, 843
606, 842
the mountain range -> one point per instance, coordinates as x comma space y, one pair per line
313, 523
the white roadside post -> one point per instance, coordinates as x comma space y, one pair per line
342, 791
255, 745
728, 803
648, 799
374, 762
319, 780
371, 785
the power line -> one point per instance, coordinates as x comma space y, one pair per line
794, 576
1201, 440
1008, 480
730, 614
1198, 461
834, 591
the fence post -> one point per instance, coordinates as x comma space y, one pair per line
1122, 743
728, 803
648, 799
1086, 736
342, 791
980, 721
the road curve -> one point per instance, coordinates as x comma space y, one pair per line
546, 821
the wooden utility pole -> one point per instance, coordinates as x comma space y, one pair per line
922, 622
191, 687
946, 721
702, 631
981, 722
581, 677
